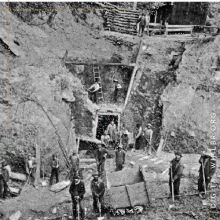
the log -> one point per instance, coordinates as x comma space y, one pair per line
100, 64
87, 160
18, 176
13, 190
121, 178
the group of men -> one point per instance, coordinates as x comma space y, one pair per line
206, 172
94, 88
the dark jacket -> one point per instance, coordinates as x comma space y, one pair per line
54, 163
142, 20
97, 188
77, 189
120, 157
177, 169
209, 166
5, 174
99, 155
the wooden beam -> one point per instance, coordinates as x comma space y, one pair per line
133, 74
100, 64
37, 175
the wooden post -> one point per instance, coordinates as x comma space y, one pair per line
155, 18
37, 174
135, 6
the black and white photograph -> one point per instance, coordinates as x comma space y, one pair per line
109, 110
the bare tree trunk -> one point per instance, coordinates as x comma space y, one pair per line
37, 174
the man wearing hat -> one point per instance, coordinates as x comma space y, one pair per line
148, 133
207, 168
124, 140
175, 173
74, 161
98, 190
119, 157
77, 191
117, 89
100, 155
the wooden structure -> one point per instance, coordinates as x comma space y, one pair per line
96, 73
178, 29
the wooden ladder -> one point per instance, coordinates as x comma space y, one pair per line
96, 72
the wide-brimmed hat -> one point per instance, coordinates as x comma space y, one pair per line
95, 174
76, 177
126, 132
178, 153
208, 153
149, 125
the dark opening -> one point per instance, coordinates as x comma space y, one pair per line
103, 122
89, 147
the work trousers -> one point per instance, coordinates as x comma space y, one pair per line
176, 185
201, 183
141, 30
54, 172
116, 95
93, 97
119, 167
101, 168
81, 209
3, 188
97, 199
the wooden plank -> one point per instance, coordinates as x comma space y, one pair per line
122, 178
179, 30
179, 26
100, 64
133, 74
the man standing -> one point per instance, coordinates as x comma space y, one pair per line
112, 130
119, 158
117, 89
55, 164
175, 173
142, 24
148, 133
98, 190
4, 179
139, 138
31, 167
207, 168
93, 89
100, 156
125, 140
77, 191
74, 161
105, 138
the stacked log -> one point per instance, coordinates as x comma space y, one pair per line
122, 21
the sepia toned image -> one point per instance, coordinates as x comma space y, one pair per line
109, 110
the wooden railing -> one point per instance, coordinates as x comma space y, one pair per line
178, 28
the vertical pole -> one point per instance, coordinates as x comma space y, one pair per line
37, 174
155, 18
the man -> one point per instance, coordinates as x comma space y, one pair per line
119, 158
208, 166
77, 191
118, 87
139, 138
148, 133
4, 179
175, 173
105, 139
142, 24
74, 161
98, 190
147, 17
93, 89
112, 130
55, 164
100, 156
125, 140
31, 167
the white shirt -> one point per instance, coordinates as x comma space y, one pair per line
95, 86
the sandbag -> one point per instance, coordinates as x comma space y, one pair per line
60, 186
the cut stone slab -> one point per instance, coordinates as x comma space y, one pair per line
126, 177
60, 186
18, 176
14, 190
15, 216
134, 195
